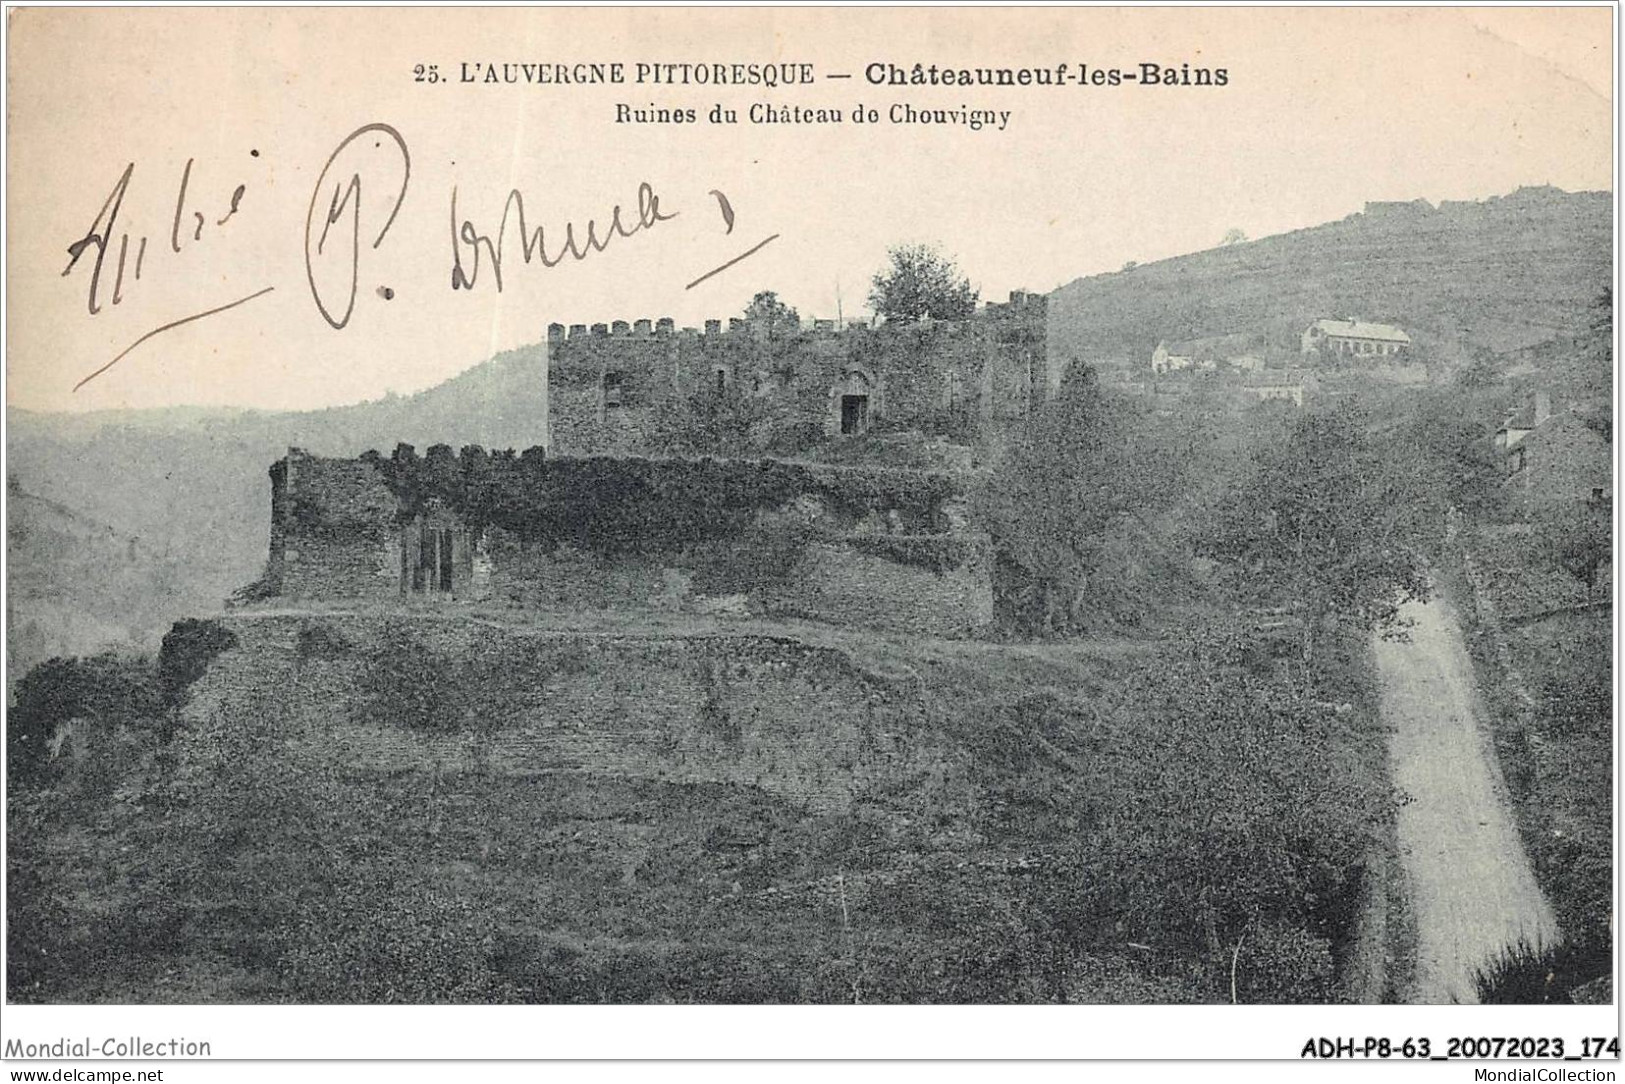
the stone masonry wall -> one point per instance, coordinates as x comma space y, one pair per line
839, 584
848, 546
609, 385
832, 581
333, 532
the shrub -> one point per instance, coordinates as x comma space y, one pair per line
105, 690
188, 649
630, 504
1525, 974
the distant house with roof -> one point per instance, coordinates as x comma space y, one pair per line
1521, 422
1344, 339
1280, 385
1171, 357
1208, 354
1551, 460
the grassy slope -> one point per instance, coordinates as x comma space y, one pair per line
1521, 270
240, 864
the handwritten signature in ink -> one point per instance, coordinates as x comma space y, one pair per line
357, 198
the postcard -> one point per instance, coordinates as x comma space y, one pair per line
529, 511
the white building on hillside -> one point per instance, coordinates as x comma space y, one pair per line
1343, 339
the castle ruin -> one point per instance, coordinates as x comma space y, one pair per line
610, 385
588, 523
882, 548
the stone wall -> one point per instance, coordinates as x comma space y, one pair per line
887, 549
334, 532
611, 386
832, 580
806, 724
838, 583
563, 579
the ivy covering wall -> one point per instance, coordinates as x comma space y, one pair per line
608, 505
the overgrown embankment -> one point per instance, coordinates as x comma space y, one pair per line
1541, 653
441, 808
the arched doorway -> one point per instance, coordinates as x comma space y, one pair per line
852, 403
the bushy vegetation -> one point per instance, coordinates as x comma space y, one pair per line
1086, 462
76, 732
1307, 512
188, 649
1579, 540
1525, 974
920, 281
609, 504
1325, 528
1556, 752
1563, 772
101, 692
1208, 829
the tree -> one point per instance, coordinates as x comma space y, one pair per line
1048, 504
1578, 540
1479, 372
1440, 449
1080, 507
777, 319
1327, 526
920, 281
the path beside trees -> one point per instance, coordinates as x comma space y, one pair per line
1472, 889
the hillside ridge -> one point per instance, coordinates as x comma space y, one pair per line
1501, 275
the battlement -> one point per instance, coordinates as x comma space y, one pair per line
666, 326
1020, 303
617, 387
642, 328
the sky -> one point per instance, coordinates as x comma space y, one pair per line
1323, 109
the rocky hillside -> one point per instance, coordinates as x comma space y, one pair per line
1502, 274
76, 586
437, 807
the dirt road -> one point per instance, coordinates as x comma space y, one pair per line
1471, 886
